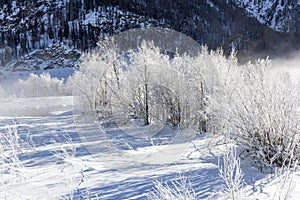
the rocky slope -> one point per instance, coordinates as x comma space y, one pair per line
50, 33
45, 34
280, 15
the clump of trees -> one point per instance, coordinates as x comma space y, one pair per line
41, 85
253, 104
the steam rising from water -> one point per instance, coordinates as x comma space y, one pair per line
289, 64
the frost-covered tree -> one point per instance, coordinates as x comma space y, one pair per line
139, 81
98, 77
39, 86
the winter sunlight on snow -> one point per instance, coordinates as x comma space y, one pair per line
106, 101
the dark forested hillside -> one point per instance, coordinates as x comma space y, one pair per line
253, 27
56, 31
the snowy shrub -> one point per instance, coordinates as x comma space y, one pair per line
264, 114
40, 86
10, 148
178, 190
215, 79
285, 184
230, 171
12, 168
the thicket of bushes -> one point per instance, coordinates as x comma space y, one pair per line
37, 85
252, 103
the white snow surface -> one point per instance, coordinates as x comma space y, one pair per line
57, 162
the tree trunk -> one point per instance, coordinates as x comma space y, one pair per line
146, 114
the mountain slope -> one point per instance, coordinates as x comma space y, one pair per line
49, 33
280, 15
39, 31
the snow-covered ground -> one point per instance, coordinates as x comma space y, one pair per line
63, 158
49, 151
